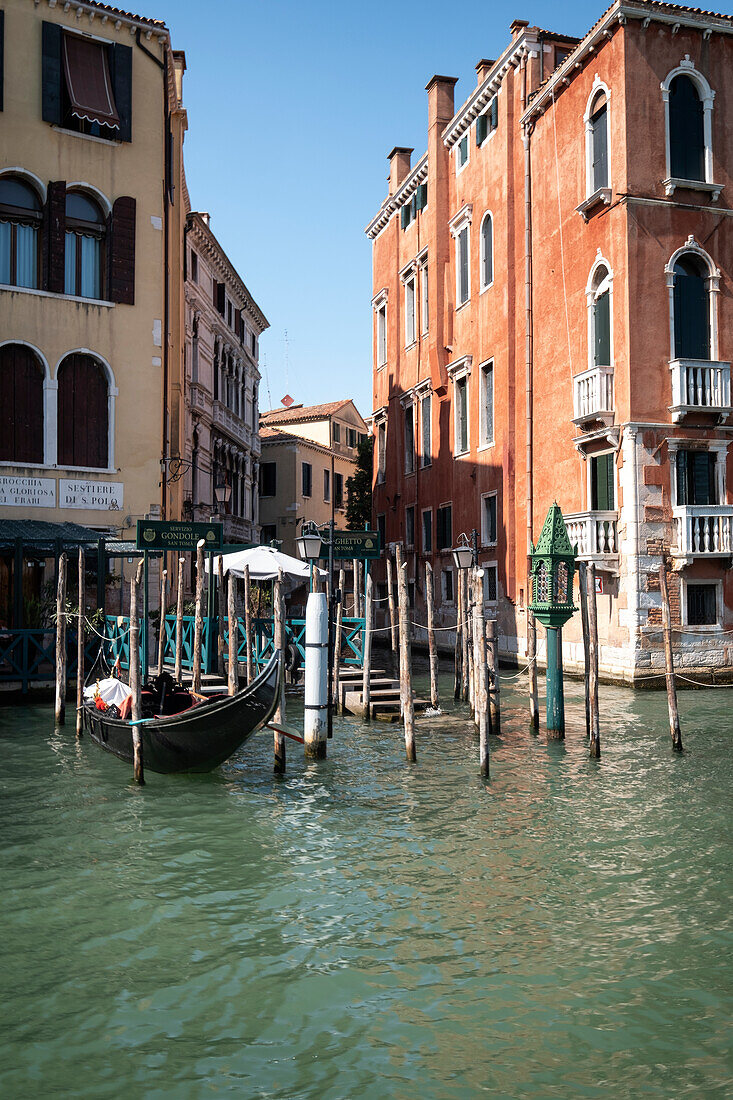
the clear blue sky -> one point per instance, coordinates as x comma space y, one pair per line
292, 108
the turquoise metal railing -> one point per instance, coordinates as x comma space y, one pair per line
30, 655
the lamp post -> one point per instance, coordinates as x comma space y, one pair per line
465, 553
310, 544
553, 569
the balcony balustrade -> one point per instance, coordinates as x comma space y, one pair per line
699, 385
595, 534
703, 530
593, 396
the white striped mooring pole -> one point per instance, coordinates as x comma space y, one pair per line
316, 675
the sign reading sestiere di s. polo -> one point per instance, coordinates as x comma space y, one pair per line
157, 534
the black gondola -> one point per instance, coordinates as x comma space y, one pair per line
198, 738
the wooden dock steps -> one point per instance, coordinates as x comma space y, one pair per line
384, 695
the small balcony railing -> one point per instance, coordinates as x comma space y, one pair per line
595, 534
593, 395
699, 385
703, 530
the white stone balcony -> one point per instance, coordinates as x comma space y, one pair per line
596, 536
699, 385
593, 396
703, 530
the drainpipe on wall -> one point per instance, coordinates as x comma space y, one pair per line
528, 335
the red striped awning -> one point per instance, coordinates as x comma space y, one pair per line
88, 81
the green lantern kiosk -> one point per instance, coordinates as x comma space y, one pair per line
553, 569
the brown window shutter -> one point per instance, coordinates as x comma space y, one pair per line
54, 237
82, 413
122, 252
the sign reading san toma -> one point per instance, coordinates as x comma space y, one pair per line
28, 492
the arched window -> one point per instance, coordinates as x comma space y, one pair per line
487, 251
21, 405
691, 308
686, 130
20, 219
601, 317
83, 418
598, 126
84, 256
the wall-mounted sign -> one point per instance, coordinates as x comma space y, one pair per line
158, 534
599, 586
106, 495
28, 492
352, 544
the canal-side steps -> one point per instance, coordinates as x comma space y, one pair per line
384, 694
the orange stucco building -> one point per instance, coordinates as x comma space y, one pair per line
553, 320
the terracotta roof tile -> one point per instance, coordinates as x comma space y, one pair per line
300, 412
124, 14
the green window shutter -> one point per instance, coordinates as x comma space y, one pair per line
602, 483
494, 114
681, 475
599, 128
422, 196
482, 125
51, 73
602, 330
413, 207
403, 217
2, 53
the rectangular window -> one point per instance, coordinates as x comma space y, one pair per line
487, 403
490, 581
327, 486
462, 280
411, 594
409, 527
446, 585
424, 312
338, 490
427, 531
444, 527
306, 478
426, 453
410, 439
381, 336
696, 477
462, 152
381, 450
461, 426
269, 533
194, 267
268, 479
351, 437
410, 333
336, 432
702, 607
488, 519
382, 530
602, 483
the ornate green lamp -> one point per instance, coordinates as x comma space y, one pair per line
553, 569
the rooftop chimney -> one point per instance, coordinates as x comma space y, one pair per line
517, 27
483, 68
399, 166
440, 99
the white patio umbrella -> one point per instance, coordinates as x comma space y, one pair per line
264, 562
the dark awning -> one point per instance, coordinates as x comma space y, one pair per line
37, 534
88, 82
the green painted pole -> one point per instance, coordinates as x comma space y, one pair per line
555, 693
144, 647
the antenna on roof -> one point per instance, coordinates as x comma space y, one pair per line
287, 361
267, 380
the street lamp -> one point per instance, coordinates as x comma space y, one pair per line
223, 492
465, 552
309, 543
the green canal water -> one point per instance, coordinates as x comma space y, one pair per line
366, 928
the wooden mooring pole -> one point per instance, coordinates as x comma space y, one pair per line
161, 624
179, 621
465, 633
492, 660
198, 625
432, 649
483, 693
583, 589
458, 651
233, 665
392, 615
674, 717
337, 641
248, 627
534, 704
138, 763
80, 647
592, 685
406, 700
367, 647
278, 611
60, 641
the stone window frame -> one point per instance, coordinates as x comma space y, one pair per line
707, 628
687, 68
591, 293
713, 286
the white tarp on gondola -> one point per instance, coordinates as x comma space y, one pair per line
263, 562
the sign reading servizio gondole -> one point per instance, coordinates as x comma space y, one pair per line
156, 534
